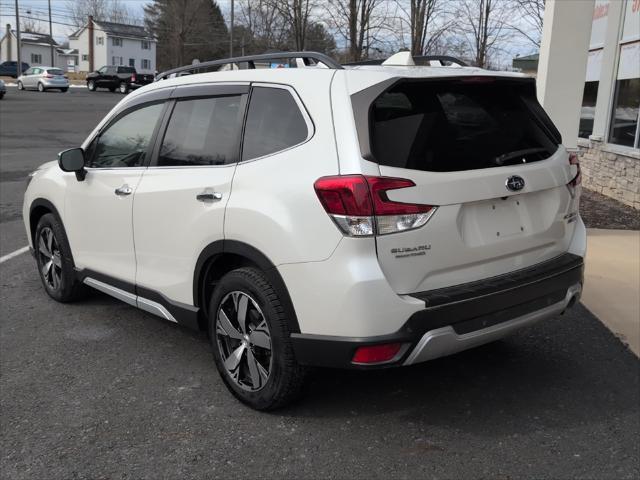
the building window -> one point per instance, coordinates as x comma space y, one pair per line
117, 42
588, 111
626, 101
36, 58
146, 45
116, 60
85, 58
624, 121
145, 64
99, 40
132, 62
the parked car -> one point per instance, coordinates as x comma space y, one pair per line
332, 217
10, 69
3, 89
43, 78
121, 78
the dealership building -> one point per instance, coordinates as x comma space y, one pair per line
588, 80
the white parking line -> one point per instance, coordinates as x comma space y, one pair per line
9, 256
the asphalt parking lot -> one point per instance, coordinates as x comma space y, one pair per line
98, 389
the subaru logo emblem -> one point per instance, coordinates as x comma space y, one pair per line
515, 183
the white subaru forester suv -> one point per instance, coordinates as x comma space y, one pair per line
358, 216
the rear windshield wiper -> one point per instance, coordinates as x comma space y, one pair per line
505, 157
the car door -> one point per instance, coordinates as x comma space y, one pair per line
102, 75
179, 205
29, 77
98, 210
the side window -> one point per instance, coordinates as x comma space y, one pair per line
103, 70
274, 123
203, 131
29, 72
124, 143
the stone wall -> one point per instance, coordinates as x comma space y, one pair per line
611, 170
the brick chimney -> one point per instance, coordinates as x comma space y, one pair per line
9, 41
91, 43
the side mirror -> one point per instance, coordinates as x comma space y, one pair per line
72, 160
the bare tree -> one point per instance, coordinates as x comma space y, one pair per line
359, 22
262, 26
297, 16
531, 14
426, 22
32, 23
484, 26
105, 10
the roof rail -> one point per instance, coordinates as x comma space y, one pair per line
418, 60
251, 59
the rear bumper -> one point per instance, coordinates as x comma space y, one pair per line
52, 84
460, 317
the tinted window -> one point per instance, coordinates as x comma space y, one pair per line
55, 71
126, 69
274, 123
124, 143
451, 126
203, 131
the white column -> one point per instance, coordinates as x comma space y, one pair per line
562, 66
608, 72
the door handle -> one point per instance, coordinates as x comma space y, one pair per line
209, 196
124, 190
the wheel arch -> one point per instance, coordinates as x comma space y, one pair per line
40, 207
223, 256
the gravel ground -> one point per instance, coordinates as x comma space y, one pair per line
599, 211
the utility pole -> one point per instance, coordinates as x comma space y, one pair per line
51, 35
230, 32
19, 65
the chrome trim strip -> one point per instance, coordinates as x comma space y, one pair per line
131, 299
445, 341
155, 308
126, 297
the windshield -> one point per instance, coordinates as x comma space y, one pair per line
459, 124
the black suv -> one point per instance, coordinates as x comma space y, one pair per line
9, 69
120, 78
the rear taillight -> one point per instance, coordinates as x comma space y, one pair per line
577, 179
133, 77
359, 205
372, 354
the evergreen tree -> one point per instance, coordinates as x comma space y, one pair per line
186, 30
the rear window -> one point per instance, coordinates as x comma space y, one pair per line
453, 125
126, 70
55, 71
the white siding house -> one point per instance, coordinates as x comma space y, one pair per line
114, 44
36, 49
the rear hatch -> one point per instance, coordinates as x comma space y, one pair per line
484, 154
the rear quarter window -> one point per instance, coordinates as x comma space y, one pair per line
274, 123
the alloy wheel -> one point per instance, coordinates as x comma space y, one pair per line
50, 259
244, 341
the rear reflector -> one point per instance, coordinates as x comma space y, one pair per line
360, 206
376, 353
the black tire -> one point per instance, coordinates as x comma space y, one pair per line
123, 88
285, 377
41, 87
64, 90
20, 85
68, 288
91, 86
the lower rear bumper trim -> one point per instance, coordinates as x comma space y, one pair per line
445, 341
